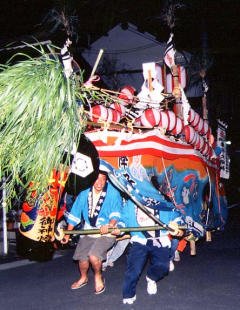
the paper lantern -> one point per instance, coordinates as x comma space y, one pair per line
98, 113
199, 144
172, 119
196, 140
113, 116
178, 127
205, 128
205, 148
189, 133
150, 118
118, 107
164, 120
199, 126
196, 120
127, 94
191, 115
210, 153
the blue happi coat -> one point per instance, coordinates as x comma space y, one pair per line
110, 210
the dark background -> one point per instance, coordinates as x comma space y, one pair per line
215, 20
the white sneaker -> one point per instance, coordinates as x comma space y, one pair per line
151, 286
129, 301
171, 266
176, 256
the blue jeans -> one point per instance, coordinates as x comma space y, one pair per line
174, 245
138, 255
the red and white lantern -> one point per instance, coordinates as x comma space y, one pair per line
164, 120
196, 120
113, 116
127, 94
205, 148
191, 115
182, 78
172, 119
189, 133
195, 140
210, 153
199, 126
98, 113
150, 118
205, 128
200, 143
118, 107
178, 127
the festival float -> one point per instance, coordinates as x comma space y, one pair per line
56, 128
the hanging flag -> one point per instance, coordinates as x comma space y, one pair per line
170, 52
223, 157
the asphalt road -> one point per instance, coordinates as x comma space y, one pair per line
208, 281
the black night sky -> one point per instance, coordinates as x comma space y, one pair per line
20, 20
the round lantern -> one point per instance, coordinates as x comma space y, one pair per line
127, 93
205, 148
199, 144
118, 107
178, 127
98, 113
113, 116
196, 140
189, 133
172, 119
163, 120
205, 128
150, 118
196, 120
191, 115
210, 152
199, 126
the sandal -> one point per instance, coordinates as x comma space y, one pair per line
97, 292
77, 285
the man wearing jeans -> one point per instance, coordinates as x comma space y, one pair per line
154, 245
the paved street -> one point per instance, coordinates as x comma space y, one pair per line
209, 281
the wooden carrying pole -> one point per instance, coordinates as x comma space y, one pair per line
122, 229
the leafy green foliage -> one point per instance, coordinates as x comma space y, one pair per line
39, 119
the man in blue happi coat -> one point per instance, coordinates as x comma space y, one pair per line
98, 207
154, 246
